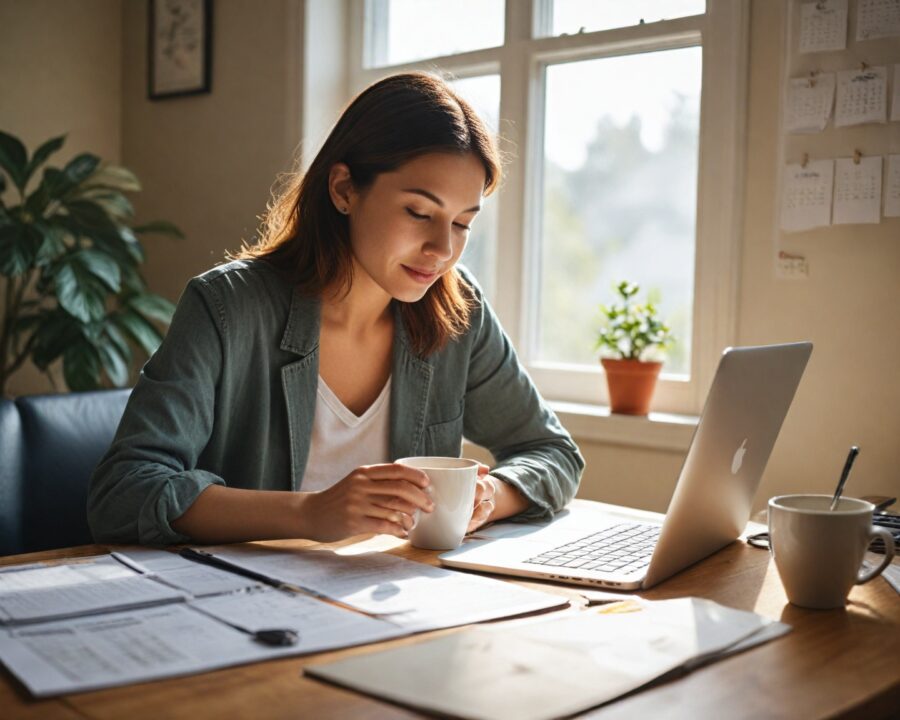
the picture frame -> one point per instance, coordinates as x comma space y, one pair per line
179, 48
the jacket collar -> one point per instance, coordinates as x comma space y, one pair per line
301, 334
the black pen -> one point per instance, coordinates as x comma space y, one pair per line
201, 556
851, 456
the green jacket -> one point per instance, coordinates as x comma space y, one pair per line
229, 398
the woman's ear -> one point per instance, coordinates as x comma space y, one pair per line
340, 188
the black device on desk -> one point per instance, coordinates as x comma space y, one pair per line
882, 518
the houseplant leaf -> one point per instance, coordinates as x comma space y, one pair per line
79, 290
139, 330
18, 249
81, 366
41, 154
153, 307
13, 159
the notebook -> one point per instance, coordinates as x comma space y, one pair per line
749, 398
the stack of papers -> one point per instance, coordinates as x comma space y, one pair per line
552, 667
150, 614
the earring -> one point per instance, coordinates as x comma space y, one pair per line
343, 210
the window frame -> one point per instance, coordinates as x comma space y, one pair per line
723, 34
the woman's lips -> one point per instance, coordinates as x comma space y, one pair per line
420, 276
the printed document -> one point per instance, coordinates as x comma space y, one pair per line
552, 667
413, 595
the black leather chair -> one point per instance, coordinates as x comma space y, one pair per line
12, 474
63, 438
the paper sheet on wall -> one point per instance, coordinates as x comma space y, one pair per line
857, 191
823, 26
895, 100
861, 96
809, 103
892, 189
806, 198
877, 19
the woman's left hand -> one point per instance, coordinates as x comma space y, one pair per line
485, 490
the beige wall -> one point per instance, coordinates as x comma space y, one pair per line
207, 163
61, 73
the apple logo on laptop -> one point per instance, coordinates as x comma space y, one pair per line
738, 459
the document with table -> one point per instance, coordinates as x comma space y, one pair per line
150, 614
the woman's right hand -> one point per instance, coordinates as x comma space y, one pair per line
371, 499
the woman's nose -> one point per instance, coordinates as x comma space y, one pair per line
440, 244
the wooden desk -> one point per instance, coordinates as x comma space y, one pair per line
839, 663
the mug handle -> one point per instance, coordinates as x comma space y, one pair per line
888, 539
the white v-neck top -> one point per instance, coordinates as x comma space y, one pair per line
342, 441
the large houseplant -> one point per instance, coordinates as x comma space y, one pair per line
630, 333
69, 267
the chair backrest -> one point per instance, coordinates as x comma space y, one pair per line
12, 476
64, 438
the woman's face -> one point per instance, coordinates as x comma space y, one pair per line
411, 225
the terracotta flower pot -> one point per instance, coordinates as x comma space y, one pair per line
631, 384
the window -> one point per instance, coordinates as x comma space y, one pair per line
624, 124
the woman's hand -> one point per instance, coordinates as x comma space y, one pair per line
485, 490
371, 499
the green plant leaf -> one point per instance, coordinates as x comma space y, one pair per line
81, 366
114, 203
115, 365
116, 178
101, 266
13, 159
41, 154
160, 227
55, 332
152, 306
18, 247
115, 336
139, 330
52, 243
2, 186
80, 168
79, 291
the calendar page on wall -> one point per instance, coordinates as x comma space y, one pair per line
840, 123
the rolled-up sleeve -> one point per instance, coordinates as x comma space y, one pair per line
505, 414
149, 477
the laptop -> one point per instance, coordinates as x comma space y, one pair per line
746, 405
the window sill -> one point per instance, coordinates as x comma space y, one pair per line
595, 423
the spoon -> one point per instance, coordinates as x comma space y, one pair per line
851, 456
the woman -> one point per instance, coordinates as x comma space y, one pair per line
345, 338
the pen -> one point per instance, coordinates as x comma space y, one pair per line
201, 556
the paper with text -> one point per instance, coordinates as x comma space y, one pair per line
861, 97
857, 190
823, 26
895, 97
809, 103
806, 195
892, 188
413, 595
877, 19
194, 578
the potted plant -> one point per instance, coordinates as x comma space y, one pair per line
69, 268
631, 337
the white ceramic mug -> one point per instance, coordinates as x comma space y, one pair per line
452, 490
818, 551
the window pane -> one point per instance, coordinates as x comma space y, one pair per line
483, 93
569, 16
619, 195
401, 31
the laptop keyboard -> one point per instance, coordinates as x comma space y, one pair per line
626, 547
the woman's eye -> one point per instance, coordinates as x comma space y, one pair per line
417, 216
462, 227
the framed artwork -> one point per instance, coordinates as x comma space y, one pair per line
180, 48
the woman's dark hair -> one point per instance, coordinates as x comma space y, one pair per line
388, 124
